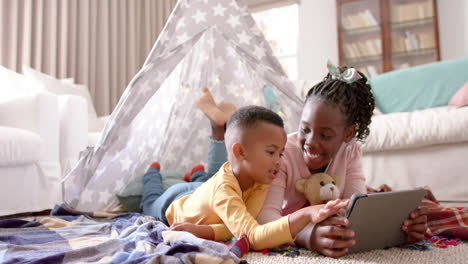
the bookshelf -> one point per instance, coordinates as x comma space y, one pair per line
377, 36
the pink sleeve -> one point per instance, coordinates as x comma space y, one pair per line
355, 180
272, 207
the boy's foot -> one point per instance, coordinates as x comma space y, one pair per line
155, 165
218, 114
189, 174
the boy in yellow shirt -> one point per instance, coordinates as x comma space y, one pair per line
228, 203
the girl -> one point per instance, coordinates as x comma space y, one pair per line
336, 114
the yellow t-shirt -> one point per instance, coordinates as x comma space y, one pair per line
219, 202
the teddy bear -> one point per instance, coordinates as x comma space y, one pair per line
319, 188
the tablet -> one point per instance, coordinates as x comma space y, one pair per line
376, 218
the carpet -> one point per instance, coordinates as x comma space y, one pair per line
451, 254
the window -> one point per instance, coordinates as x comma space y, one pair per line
280, 26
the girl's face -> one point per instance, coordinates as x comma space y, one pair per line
321, 132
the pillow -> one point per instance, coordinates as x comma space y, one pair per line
59, 87
420, 87
461, 97
15, 85
130, 197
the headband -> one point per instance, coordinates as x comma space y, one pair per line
349, 76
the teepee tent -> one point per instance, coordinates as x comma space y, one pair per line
213, 43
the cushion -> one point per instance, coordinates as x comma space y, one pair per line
59, 87
438, 125
16, 85
420, 87
130, 197
460, 99
19, 146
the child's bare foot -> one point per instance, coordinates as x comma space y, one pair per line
218, 114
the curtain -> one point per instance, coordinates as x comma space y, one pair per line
100, 43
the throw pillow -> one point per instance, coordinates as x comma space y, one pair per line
16, 85
130, 197
461, 97
420, 87
60, 87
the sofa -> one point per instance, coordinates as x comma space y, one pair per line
29, 148
421, 136
42, 133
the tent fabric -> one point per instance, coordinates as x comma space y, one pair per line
213, 43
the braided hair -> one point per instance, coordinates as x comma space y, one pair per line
355, 100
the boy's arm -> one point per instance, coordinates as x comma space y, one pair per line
313, 214
231, 209
204, 231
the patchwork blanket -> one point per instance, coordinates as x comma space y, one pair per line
124, 238
450, 222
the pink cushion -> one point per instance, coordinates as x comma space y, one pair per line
461, 97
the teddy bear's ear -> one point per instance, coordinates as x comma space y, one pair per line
337, 180
300, 185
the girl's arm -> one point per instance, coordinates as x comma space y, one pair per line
271, 209
355, 181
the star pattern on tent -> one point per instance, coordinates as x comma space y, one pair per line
160, 76
180, 24
86, 196
244, 38
163, 38
182, 38
234, 4
119, 183
233, 21
231, 52
126, 163
104, 196
219, 10
199, 17
259, 52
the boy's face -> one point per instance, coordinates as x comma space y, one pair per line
263, 148
321, 132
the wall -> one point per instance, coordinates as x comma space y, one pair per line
318, 40
453, 28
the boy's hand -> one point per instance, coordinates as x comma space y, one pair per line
201, 231
416, 225
331, 208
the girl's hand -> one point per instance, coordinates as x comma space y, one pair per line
416, 225
201, 231
331, 237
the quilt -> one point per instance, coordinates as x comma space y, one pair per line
123, 238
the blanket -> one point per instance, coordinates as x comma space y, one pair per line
123, 238
449, 222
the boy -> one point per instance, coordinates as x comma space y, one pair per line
228, 203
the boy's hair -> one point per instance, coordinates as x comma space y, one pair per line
248, 116
355, 100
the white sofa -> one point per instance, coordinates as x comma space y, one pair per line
420, 148
42, 133
29, 154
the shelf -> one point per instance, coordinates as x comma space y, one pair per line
362, 30
412, 23
405, 32
413, 53
364, 60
